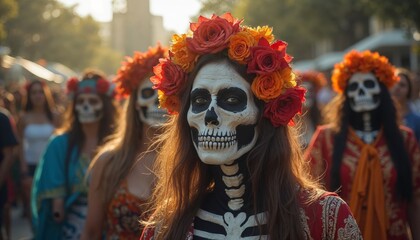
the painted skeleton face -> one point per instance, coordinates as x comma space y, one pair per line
363, 92
89, 107
222, 114
147, 105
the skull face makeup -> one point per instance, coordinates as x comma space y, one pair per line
363, 92
147, 105
89, 107
222, 114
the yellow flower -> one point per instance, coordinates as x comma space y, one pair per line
289, 78
181, 55
239, 46
261, 32
170, 103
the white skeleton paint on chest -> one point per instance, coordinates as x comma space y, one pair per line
222, 117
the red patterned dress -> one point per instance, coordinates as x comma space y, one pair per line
123, 215
320, 154
327, 218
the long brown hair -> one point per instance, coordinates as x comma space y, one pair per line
120, 151
73, 127
49, 104
275, 165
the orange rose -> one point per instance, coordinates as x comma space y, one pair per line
180, 54
267, 87
261, 32
239, 46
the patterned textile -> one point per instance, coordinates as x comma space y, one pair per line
123, 215
76, 216
329, 217
320, 153
49, 183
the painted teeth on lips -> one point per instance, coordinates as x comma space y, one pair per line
216, 140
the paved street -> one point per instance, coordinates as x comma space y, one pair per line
21, 229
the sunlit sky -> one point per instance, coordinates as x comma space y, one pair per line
176, 13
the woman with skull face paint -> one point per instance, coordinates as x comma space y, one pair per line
59, 196
364, 153
121, 180
312, 81
230, 166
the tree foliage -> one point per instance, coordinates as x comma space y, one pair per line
401, 12
8, 9
45, 29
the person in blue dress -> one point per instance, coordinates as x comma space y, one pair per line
402, 92
59, 194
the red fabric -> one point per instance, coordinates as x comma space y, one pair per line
328, 217
320, 153
123, 215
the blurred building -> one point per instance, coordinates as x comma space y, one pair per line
134, 28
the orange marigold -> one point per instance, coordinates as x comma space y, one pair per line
366, 61
137, 68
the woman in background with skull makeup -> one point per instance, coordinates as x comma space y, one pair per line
230, 166
365, 154
122, 180
59, 196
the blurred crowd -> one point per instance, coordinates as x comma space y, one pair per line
78, 158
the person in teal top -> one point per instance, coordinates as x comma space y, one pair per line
59, 193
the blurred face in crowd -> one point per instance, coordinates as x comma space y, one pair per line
401, 89
36, 95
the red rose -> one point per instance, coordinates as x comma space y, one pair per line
266, 59
212, 35
281, 110
169, 77
72, 84
102, 86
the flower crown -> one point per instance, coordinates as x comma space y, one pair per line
275, 83
135, 69
318, 79
366, 61
99, 86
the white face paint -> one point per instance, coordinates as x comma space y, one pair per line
222, 114
147, 105
363, 92
89, 107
